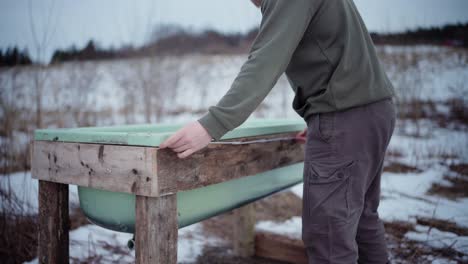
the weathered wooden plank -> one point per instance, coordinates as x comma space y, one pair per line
282, 248
110, 167
243, 239
54, 224
153, 172
156, 230
218, 163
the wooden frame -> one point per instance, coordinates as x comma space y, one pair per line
155, 176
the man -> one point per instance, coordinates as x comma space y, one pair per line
345, 97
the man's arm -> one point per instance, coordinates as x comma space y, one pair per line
283, 25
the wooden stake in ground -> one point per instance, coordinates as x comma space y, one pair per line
244, 231
54, 223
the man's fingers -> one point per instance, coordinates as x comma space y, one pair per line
171, 140
186, 153
302, 136
181, 142
301, 139
181, 148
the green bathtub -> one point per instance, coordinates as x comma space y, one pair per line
116, 211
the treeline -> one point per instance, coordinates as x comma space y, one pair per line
171, 39
165, 40
89, 52
449, 35
14, 56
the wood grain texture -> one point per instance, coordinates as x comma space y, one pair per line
149, 171
156, 230
54, 224
116, 168
280, 248
219, 163
244, 230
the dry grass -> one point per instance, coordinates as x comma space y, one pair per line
458, 188
458, 184
278, 207
398, 229
18, 242
218, 255
461, 169
404, 250
396, 167
443, 225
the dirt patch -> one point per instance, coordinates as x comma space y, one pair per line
77, 218
398, 229
18, 242
458, 188
408, 251
443, 225
393, 153
219, 226
395, 167
461, 169
458, 111
404, 250
218, 255
278, 207
417, 109
456, 118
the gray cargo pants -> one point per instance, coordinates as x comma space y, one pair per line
343, 164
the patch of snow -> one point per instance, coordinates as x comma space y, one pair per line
25, 189
191, 242
96, 243
290, 228
297, 189
438, 239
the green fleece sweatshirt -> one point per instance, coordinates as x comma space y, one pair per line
326, 52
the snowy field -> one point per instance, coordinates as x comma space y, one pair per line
425, 182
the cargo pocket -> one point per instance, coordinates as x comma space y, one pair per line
327, 191
322, 173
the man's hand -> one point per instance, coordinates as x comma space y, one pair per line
302, 136
187, 140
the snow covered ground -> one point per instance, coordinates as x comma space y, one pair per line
114, 91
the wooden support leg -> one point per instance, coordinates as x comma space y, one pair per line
244, 231
156, 230
54, 223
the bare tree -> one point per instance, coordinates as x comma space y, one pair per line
165, 85
126, 80
41, 41
82, 79
156, 80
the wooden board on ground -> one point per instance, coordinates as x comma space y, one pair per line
281, 248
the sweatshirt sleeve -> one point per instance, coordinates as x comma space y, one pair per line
281, 29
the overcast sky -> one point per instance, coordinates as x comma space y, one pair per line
62, 23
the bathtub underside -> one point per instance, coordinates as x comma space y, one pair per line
116, 211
